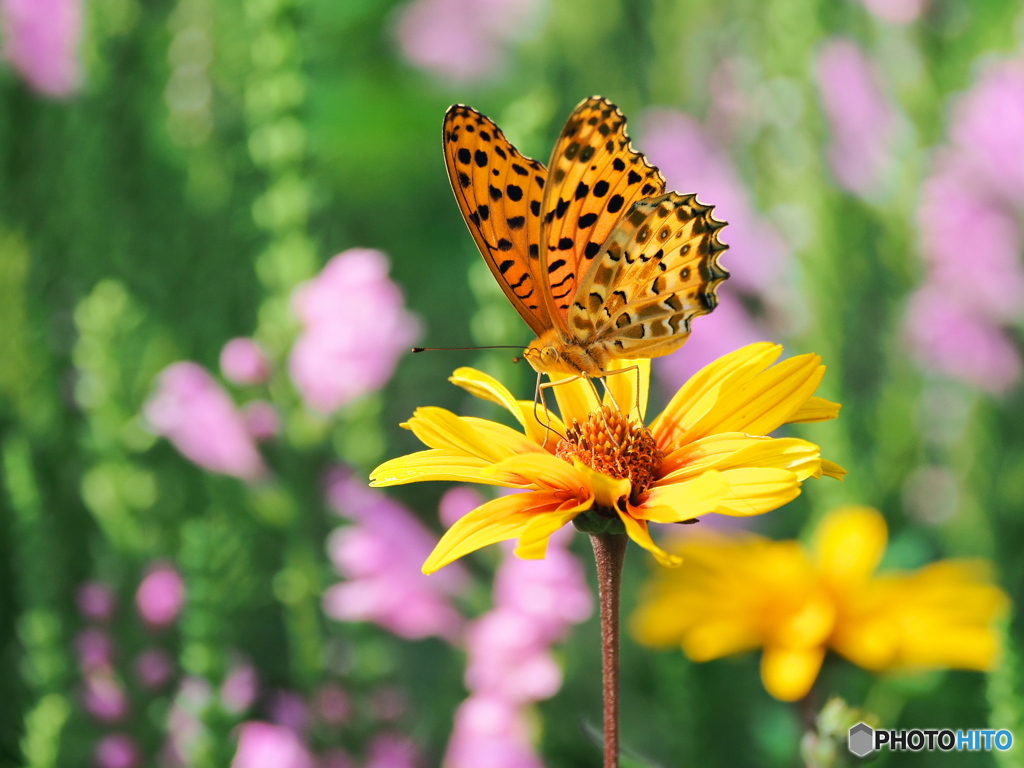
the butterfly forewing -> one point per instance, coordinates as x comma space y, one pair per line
499, 192
594, 178
657, 271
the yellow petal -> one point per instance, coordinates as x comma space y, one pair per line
849, 543
734, 449
439, 428
831, 469
533, 543
497, 520
637, 531
608, 491
789, 673
756, 490
508, 438
629, 389
541, 470
487, 387
433, 464
576, 396
765, 402
683, 500
713, 638
542, 425
699, 393
816, 409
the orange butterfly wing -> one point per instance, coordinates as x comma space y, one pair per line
594, 177
499, 192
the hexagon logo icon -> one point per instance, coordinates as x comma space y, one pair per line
861, 740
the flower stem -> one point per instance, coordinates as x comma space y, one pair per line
610, 552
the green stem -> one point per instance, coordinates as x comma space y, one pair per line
610, 552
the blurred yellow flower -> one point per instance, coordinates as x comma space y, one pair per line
707, 452
740, 593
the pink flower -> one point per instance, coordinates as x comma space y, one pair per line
509, 655
969, 219
988, 129
861, 118
490, 732
456, 502
552, 593
389, 750
153, 668
355, 328
956, 344
262, 745
388, 703
896, 11
41, 41
191, 410
463, 40
104, 697
332, 705
951, 204
185, 730
380, 555
261, 420
95, 649
116, 750
160, 596
335, 758
240, 687
289, 709
96, 601
244, 361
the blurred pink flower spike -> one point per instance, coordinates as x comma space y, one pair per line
491, 731
464, 41
95, 649
161, 596
191, 410
116, 750
262, 420
263, 745
896, 11
355, 327
862, 120
380, 555
41, 41
104, 697
510, 663
391, 750
956, 344
240, 687
153, 668
244, 361
96, 601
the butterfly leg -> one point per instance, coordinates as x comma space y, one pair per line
611, 396
538, 398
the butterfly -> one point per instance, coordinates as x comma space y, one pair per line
599, 260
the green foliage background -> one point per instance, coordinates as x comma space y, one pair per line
132, 236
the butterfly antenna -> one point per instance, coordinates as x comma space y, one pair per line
416, 350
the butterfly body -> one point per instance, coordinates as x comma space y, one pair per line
596, 257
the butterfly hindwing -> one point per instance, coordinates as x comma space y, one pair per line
499, 192
656, 272
594, 177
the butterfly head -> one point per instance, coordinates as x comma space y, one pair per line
553, 353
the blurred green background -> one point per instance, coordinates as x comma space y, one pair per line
211, 155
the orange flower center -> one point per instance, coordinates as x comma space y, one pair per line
609, 443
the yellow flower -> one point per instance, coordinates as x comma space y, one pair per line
707, 452
737, 594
